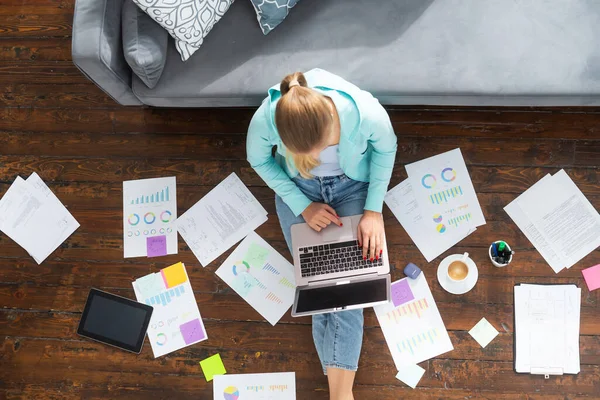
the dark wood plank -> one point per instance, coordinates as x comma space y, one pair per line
53, 72
47, 95
32, 49
19, 22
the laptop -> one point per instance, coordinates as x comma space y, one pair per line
331, 274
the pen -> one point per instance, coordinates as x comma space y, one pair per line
494, 251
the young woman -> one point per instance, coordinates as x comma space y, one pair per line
335, 154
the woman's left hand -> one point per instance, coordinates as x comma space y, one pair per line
370, 234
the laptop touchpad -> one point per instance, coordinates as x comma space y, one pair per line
334, 233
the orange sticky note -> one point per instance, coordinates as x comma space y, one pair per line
174, 275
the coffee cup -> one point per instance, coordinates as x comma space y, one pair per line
458, 268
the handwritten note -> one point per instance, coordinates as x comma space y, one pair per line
592, 277
156, 246
401, 292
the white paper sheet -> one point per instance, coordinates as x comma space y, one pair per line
403, 204
483, 332
445, 193
410, 375
272, 386
35, 218
176, 321
261, 276
220, 219
414, 331
149, 211
547, 321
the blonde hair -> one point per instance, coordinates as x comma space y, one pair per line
303, 118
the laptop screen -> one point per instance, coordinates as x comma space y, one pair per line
336, 296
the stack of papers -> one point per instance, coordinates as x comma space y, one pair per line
32, 216
149, 215
547, 329
220, 219
262, 276
412, 325
176, 321
437, 204
558, 220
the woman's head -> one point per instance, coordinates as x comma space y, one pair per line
304, 120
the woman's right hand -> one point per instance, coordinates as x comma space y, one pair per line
319, 215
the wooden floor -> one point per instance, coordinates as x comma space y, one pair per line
56, 123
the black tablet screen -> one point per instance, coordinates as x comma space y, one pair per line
115, 320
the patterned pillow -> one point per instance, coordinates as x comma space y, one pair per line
188, 21
271, 13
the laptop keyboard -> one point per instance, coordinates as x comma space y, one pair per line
335, 257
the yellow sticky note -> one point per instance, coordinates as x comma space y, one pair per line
212, 366
174, 275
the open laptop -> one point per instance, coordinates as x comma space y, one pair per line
331, 274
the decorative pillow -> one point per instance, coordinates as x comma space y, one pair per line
188, 21
144, 44
271, 13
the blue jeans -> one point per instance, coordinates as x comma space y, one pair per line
337, 336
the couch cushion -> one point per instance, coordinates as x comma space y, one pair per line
404, 51
271, 13
144, 44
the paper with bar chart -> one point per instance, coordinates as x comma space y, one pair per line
220, 219
270, 386
149, 214
176, 321
262, 276
413, 328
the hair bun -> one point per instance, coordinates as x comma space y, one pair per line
295, 77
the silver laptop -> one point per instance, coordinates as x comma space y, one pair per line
331, 274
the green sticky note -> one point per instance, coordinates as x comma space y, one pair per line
256, 255
212, 366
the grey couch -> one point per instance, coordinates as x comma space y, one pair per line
438, 52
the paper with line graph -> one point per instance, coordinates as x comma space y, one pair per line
270, 386
413, 329
262, 276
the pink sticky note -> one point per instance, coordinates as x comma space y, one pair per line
192, 331
156, 246
401, 292
592, 277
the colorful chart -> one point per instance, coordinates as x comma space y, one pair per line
149, 218
409, 345
456, 221
165, 298
157, 197
428, 181
273, 298
231, 393
437, 218
448, 174
133, 219
441, 228
240, 264
161, 339
445, 195
283, 281
414, 309
270, 268
165, 216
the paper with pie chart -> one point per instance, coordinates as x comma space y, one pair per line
412, 325
149, 214
176, 321
261, 276
268, 386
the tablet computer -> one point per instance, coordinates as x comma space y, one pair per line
115, 320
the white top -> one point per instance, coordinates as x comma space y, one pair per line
330, 163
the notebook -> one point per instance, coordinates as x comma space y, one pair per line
547, 329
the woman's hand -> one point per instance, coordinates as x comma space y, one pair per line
370, 234
318, 216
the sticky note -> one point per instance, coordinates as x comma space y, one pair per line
411, 375
192, 331
212, 366
256, 255
592, 277
156, 246
174, 275
150, 285
401, 292
483, 332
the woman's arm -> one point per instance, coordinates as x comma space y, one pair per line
259, 154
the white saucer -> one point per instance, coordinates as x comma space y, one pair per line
451, 286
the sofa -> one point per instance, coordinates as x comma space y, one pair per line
406, 52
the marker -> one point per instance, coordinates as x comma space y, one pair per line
501, 246
494, 251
